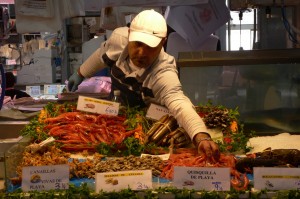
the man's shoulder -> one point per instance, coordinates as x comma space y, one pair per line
121, 31
166, 59
165, 62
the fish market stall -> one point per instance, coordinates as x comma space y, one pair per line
248, 100
93, 137
94, 143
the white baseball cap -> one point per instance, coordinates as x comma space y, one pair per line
148, 27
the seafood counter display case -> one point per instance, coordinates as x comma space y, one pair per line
95, 143
251, 84
90, 144
263, 84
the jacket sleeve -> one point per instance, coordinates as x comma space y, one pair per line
167, 88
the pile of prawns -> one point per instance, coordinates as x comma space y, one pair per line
189, 157
81, 131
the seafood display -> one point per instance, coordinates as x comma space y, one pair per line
87, 167
50, 155
218, 117
131, 162
115, 143
269, 158
78, 130
190, 158
166, 132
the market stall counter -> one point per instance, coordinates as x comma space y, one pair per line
93, 144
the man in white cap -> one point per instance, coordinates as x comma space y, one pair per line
145, 74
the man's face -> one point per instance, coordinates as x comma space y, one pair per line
143, 55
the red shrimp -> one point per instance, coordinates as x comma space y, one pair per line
101, 120
52, 130
118, 138
72, 136
240, 184
58, 132
50, 126
120, 128
235, 182
69, 116
130, 133
87, 118
93, 138
165, 170
102, 130
95, 126
227, 160
84, 138
199, 161
99, 137
76, 141
82, 126
170, 173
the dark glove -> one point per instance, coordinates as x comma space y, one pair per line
74, 81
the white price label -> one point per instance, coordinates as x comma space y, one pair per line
116, 181
33, 90
38, 178
94, 105
51, 89
276, 178
202, 178
156, 111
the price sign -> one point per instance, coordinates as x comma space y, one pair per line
202, 178
51, 89
116, 181
38, 178
156, 111
61, 88
276, 178
94, 105
33, 90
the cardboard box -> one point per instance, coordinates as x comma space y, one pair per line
42, 71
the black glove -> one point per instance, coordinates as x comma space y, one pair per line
74, 81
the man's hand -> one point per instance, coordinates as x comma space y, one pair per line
74, 81
206, 146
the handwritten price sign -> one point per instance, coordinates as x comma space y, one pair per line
116, 181
38, 178
276, 178
202, 178
99, 106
